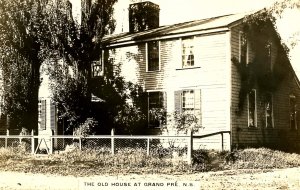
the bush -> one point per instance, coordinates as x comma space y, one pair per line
85, 128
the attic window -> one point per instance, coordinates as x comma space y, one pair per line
187, 52
243, 48
269, 57
153, 56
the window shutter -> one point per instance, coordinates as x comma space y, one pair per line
198, 109
53, 116
164, 96
43, 115
177, 99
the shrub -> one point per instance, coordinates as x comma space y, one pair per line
85, 128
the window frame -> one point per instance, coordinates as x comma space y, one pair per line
241, 34
191, 41
99, 64
269, 56
147, 56
182, 100
295, 112
162, 95
255, 110
272, 111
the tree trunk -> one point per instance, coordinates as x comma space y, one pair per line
32, 122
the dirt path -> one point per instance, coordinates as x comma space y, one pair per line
232, 179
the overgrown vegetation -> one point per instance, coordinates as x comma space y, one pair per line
129, 160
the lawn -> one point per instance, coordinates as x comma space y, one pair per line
100, 162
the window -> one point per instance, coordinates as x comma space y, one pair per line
252, 108
189, 102
269, 57
156, 113
42, 114
243, 48
269, 110
187, 52
97, 68
293, 112
153, 56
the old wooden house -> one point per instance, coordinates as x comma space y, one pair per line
234, 76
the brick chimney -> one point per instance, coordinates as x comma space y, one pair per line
143, 16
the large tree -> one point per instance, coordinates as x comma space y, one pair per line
78, 45
25, 36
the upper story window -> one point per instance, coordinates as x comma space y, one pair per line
252, 115
243, 48
269, 57
97, 69
153, 56
97, 66
293, 112
188, 52
269, 110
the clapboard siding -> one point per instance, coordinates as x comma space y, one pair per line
281, 135
209, 75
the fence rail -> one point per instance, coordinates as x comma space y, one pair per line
169, 146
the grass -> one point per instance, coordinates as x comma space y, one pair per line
98, 162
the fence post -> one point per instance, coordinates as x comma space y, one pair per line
222, 141
190, 146
112, 141
51, 145
32, 142
7, 134
79, 143
148, 146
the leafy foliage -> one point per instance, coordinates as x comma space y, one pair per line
179, 122
86, 128
24, 42
259, 73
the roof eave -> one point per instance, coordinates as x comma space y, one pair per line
131, 41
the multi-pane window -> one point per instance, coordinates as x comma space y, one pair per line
243, 48
153, 56
97, 68
155, 108
269, 110
187, 52
293, 112
188, 101
252, 108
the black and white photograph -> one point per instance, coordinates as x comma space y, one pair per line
149, 94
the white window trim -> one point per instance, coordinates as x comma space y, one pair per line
181, 99
296, 127
181, 52
255, 110
272, 111
159, 57
240, 48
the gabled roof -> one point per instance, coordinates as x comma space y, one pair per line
208, 24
